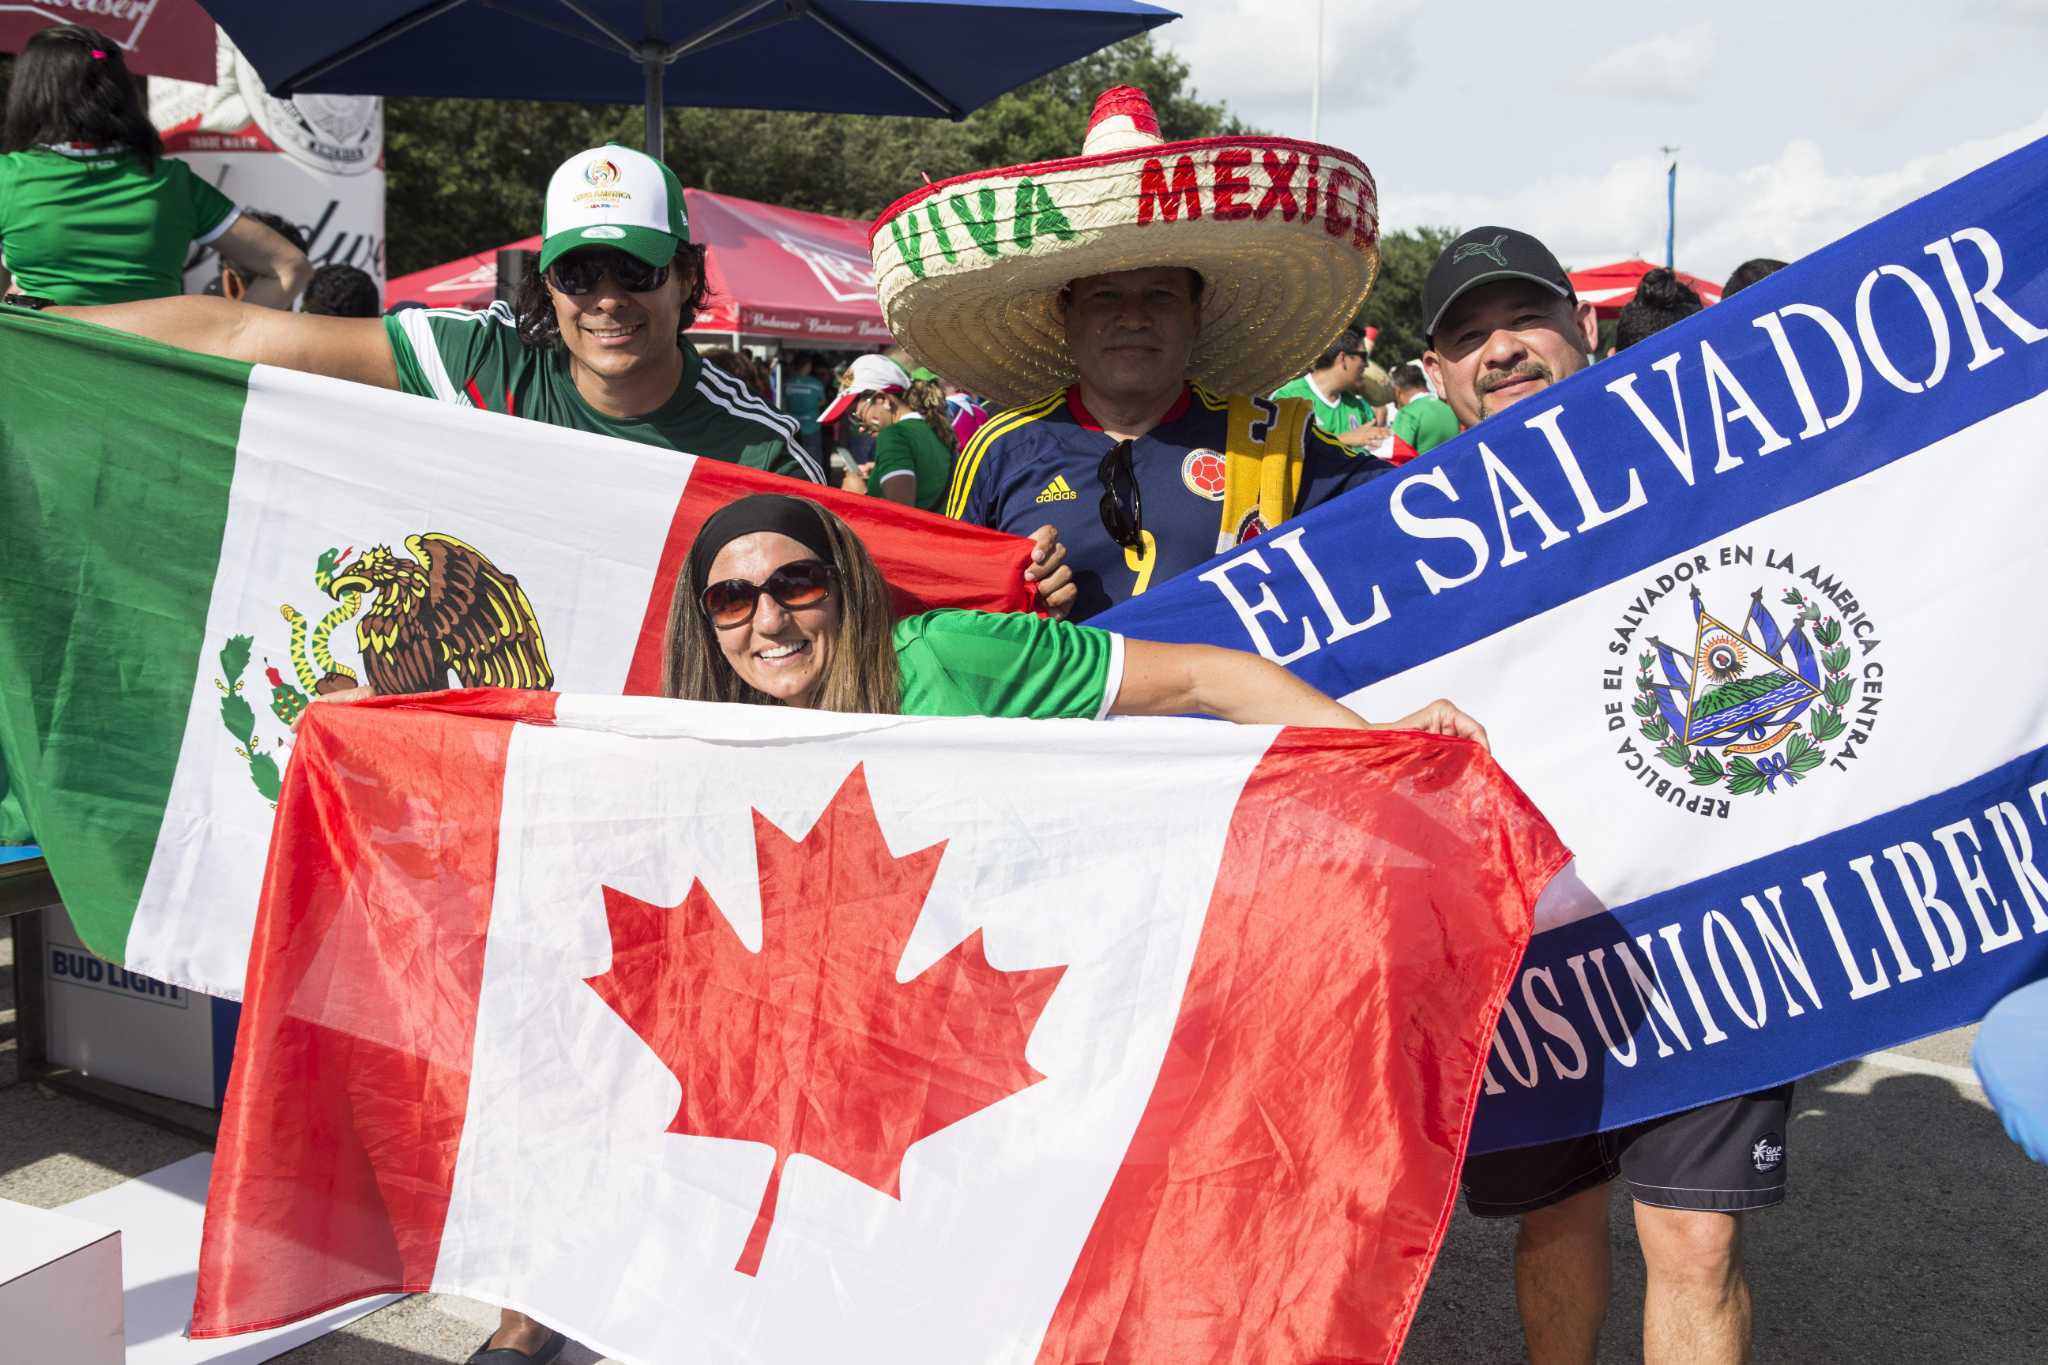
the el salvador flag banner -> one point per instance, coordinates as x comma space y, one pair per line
1746, 611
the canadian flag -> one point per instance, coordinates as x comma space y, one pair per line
730, 1033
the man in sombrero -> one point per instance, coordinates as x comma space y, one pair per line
1128, 308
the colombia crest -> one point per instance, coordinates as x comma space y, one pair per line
1744, 687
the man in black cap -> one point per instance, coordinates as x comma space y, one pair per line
1502, 323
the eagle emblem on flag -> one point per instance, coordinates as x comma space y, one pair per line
445, 610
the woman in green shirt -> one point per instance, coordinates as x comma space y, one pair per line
91, 211
779, 603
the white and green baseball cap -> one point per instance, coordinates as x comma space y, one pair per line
617, 197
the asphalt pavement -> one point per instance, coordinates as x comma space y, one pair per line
1915, 1231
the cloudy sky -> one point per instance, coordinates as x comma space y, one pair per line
1797, 120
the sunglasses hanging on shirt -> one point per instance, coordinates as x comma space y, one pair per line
1122, 507
580, 272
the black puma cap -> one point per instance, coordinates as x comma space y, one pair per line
1486, 255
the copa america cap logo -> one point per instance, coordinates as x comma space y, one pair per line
601, 172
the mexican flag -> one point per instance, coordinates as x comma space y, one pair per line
797, 1036
193, 548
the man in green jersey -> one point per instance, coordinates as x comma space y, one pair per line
1334, 385
596, 343
1423, 421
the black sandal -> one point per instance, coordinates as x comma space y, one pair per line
486, 1354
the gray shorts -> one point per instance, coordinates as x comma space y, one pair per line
1726, 1157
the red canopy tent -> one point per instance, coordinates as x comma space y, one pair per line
1608, 287
804, 279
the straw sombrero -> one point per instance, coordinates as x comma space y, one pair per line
1285, 234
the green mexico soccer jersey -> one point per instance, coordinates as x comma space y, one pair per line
1006, 664
909, 445
87, 225
1422, 425
477, 359
1348, 413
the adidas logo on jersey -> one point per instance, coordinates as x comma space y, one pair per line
1059, 490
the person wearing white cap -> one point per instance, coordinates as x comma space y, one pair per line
1131, 307
913, 446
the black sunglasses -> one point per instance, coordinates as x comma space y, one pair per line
580, 272
1122, 507
731, 602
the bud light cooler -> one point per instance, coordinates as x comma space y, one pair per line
117, 1025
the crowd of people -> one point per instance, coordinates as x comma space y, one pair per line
1133, 470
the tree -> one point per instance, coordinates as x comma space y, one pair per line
1396, 303
466, 175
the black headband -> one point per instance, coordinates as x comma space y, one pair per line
801, 521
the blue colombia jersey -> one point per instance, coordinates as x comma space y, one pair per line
1037, 464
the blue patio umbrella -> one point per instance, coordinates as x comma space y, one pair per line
938, 58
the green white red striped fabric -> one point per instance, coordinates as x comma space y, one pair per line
179, 531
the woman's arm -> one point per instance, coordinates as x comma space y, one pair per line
276, 271
341, 348
900, 485
1177, 680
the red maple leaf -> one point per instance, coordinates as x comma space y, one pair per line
811, 1045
